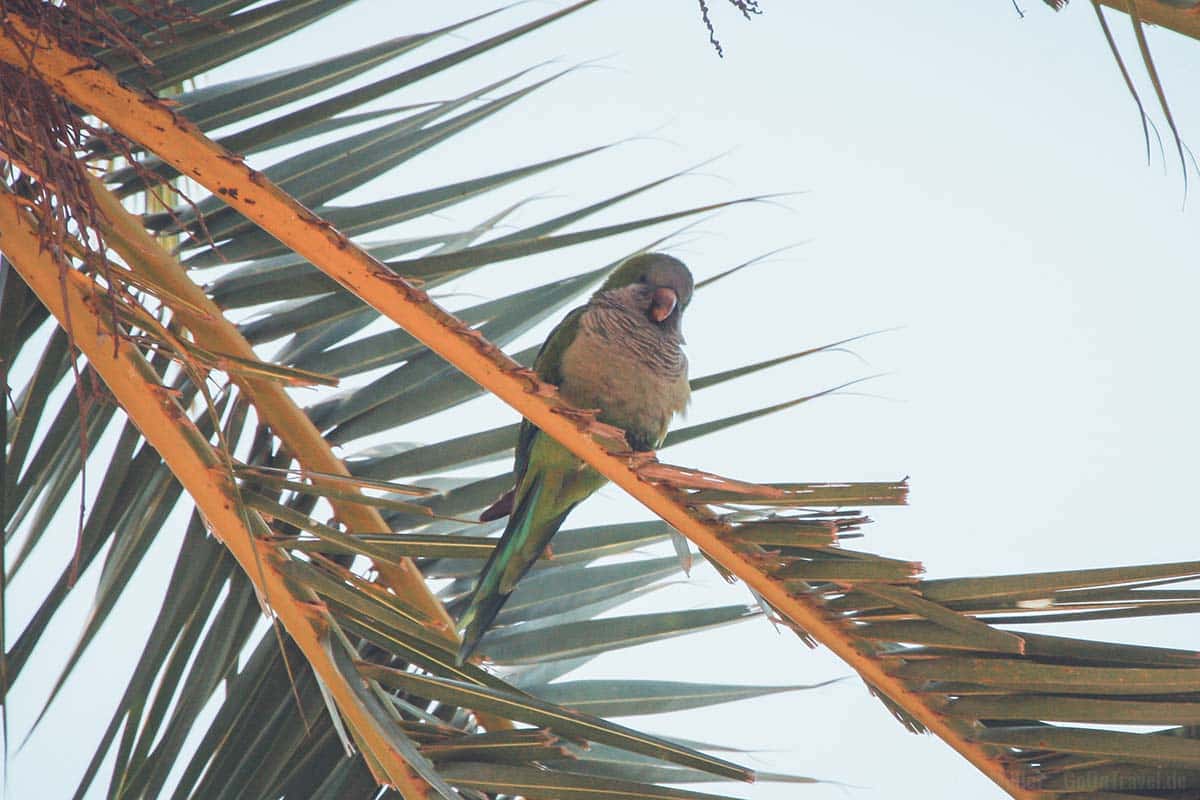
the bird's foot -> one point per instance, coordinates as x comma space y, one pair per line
636, 459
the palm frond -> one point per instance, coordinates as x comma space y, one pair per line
170, 334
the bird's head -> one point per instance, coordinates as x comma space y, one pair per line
657, 284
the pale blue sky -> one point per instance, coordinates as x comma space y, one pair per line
974, 177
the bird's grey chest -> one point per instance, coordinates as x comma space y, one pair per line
635, 374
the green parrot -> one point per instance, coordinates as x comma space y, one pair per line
621, 353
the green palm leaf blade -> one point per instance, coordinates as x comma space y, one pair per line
13, 297
391, 547
53, 466
316, 339
468, 496
95, 533
330, 539
604, 761
1117, 593
995, 639
558, 589
1104, 780
1019, 675
385, 608
254, 761
329, 171
790, 532
163, 36
871, 493
1040, 584
369, 217
334, 314
510, 315
572, 546
681, 435
321, 127
418, 388
1113, 611
258, 691
427, 655
461, 451
586, 544
577, 611
289, 277
247, 140
386, 621
562, 721
717, 378
347, 779
623, 698
519, 747
221, 221
153, 756
574, 639
1083, 652
111, 487
239, 34
533, 240
152, 172
475, 448
30, 403
398, 345
424, 378
408, 392
201, 571
303, 315
555, 785
384, 86
1056, 708
132, 537
1158, 750
334, 487
23, 311
546, 671
320, 757
397, 738
213, 107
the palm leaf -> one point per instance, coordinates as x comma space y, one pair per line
192, 646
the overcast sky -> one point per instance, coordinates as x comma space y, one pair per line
974, 178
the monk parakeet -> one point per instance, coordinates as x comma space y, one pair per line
621, 353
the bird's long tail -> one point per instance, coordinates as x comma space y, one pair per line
486, 602
524, 539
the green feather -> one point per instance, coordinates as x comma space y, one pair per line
548, 366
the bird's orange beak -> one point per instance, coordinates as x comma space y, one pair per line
663, 303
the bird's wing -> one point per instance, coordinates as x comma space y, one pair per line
548, 366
